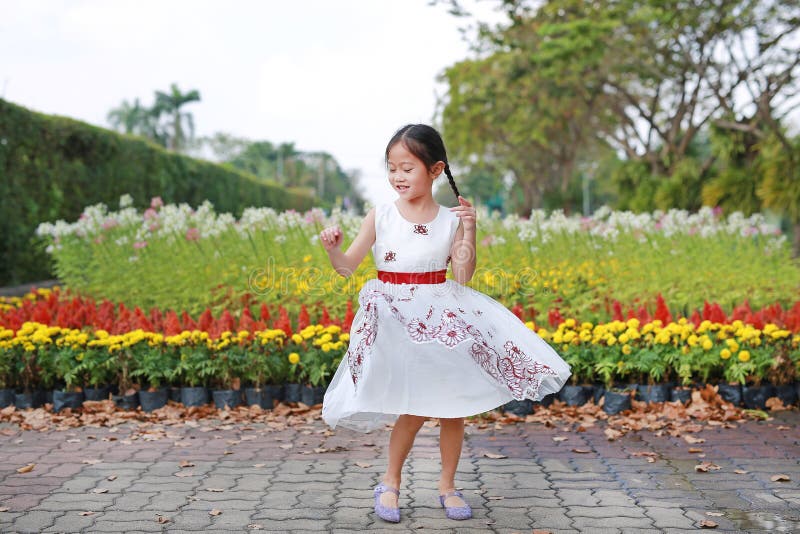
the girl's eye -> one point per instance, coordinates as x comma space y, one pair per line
408, 170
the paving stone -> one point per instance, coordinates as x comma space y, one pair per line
36, 520
590, 524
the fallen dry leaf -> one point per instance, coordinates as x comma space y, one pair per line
691, 440
494, 456
495, 498
560, 438
612, 434
4, 509
26, 468
99, 490
740, 471
705, 467
259, 465
91, 461
254, 526
186, 463
695, 449
215, 512
287, 446
707, 523
715, 514
775, 404
184, 474
540, 531
581, 451
111, 478
780, 478
214, 490
363, 464
161, 519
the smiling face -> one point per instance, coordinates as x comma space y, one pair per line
408, 175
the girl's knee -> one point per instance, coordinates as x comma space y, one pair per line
451, 421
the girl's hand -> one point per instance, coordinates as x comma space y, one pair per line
331, 238
466, 212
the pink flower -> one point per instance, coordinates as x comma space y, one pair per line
717, 211
150, 213
486, 241
109, 223
156, 202
140, 244
192, 234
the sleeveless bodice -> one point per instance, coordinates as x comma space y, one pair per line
406, 247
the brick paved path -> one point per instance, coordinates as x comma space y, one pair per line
273, 480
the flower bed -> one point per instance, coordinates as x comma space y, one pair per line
137, 352
196, 259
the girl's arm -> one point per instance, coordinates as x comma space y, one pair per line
345, 263
463, 253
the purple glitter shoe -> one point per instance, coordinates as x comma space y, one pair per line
456, 512
384, 512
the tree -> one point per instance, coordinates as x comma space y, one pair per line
136, 119
178, 122
649, 76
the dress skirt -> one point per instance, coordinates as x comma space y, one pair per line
436, 350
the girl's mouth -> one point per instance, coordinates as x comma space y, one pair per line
401, 187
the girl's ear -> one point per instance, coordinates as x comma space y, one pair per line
437, 169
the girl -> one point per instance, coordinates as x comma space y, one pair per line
420, 345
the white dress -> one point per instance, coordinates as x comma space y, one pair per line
436, 350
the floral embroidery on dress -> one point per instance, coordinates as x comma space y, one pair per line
514, 369
389, 256
421, 229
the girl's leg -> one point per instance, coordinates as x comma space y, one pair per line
451, 437
400, 442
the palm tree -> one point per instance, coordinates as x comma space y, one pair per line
136, 119
780, 187
170, 104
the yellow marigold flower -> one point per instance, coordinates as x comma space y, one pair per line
307, 334
326, 347
744, 356
624, 338
344, 337
586, 326
307, 258
297, 338
529, 325
294, 358
333, 329
570, 323
685, 349
626, 349
557, 337
707, 344
733, 345
611, 340
633, 323
725, 354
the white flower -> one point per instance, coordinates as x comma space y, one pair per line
125, 201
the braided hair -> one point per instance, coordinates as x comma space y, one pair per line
426, 144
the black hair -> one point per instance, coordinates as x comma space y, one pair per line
426, 144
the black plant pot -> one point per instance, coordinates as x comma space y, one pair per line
682, 394
787, 394
730, 392
27, 400
311, 395
153, 400
293, 392
254, 396
616, 401
67, 399
175, 394
194, 396
653, 392
755, 397
126, 402
45, 395
575, 395
274, 392
97, 394
230, 398
597, 394
6, 397
545, 401
519, 407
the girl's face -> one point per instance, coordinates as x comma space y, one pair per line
408, 175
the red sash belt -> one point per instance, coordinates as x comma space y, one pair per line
432, 277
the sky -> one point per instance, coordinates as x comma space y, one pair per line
338, 76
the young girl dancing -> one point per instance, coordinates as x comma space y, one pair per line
422, 345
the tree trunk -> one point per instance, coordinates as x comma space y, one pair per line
796, 239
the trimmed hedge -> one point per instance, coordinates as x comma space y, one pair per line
51, 167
